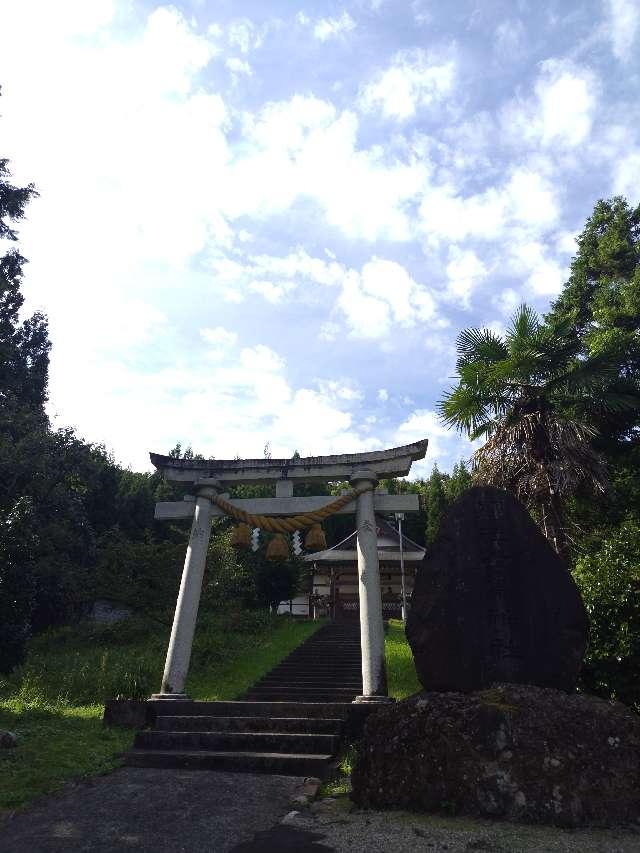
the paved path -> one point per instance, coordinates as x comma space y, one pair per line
142, 810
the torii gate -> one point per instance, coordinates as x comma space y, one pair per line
210, 477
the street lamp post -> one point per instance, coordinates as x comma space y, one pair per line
400, 518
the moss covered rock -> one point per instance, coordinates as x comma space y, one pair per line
511, 751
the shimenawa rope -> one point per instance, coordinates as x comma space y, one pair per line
287, 524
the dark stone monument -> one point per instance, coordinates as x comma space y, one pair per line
493, 602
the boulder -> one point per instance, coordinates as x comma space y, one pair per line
493, 602
515, 752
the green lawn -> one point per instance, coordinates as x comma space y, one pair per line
56, 700
401, 672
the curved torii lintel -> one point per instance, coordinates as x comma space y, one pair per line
394, 462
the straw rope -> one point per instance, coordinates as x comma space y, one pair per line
288, 524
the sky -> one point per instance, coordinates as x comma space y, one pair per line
266, 222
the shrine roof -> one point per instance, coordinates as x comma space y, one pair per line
388, 547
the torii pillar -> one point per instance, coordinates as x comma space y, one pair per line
374, 669
209, 477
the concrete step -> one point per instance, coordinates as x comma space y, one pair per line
309, 678
300, 696
321, 659
246, 708
241, 762
287, 742
289, 684
301, 688
309, 725
319, 666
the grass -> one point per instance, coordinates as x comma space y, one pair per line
55, 701
401, 672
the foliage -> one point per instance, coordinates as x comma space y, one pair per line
609, 581
274, 580
436, 504
601, 303
533, 401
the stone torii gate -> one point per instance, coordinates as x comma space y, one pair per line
209, 478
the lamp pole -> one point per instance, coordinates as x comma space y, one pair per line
400, 518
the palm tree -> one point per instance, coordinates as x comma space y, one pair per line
533, 400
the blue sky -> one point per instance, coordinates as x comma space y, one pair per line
267, 222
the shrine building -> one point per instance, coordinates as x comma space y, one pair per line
333, 590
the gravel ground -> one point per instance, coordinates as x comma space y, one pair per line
177, 811
143, 810
334, 826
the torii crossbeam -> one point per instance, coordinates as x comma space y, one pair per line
209, 478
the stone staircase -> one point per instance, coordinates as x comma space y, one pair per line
290, 722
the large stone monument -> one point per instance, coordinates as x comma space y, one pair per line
493, 602
498, 631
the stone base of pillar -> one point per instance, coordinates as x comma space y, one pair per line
372, 700
181, 697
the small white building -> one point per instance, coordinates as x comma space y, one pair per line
333, 590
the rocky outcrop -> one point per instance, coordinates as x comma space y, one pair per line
512, 751
493, 602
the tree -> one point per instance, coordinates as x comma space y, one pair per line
436, 504
609, 581
601, 302
535, 402
24, 358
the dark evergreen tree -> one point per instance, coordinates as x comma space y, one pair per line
436, 503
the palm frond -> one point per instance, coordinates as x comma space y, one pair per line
480, 345
525, 325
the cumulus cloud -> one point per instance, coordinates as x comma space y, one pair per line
327, 28
561, 110
414, 80
238, 66
304, 148
372, 301
623, 23
446, 446
465, 271
626, 174
527, 199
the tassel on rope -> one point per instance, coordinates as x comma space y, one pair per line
278, 548
241, 536
315, 539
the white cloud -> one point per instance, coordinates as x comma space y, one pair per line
526, 200
465, 271
383, 395
446, 446
244, 35
271, 291
507, 301
305, 149
327, 28
412, 81
626, 175
544, 275
623, 19
329, 331
219, 336
238, 66
509, 37
561, 111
